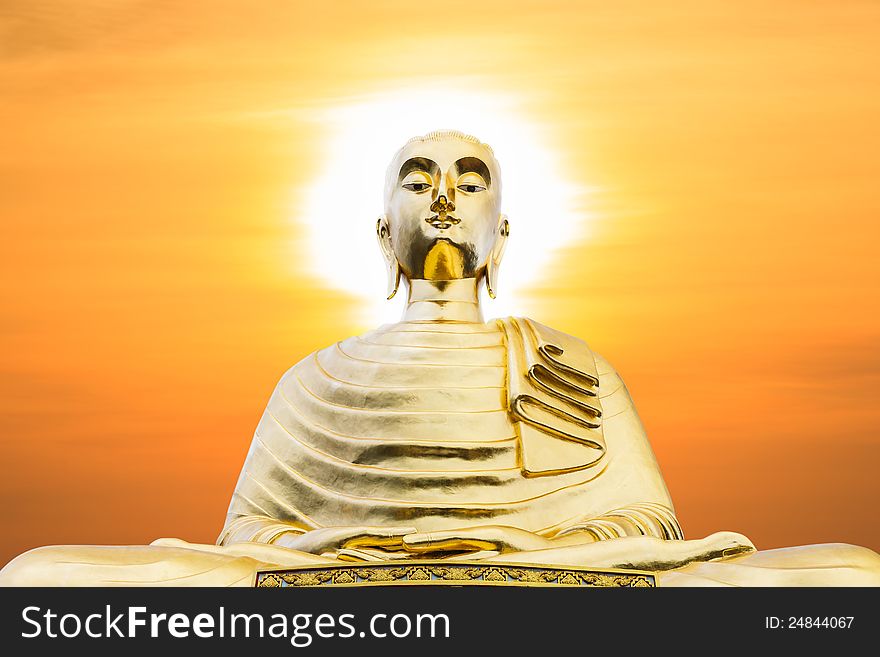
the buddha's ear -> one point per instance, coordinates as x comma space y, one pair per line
497, 253
392, 267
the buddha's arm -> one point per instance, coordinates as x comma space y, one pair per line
636, 552
632, 487
254, 512
636, 529
265, 506
646, 519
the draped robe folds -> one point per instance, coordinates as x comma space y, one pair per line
444, 425
440, 425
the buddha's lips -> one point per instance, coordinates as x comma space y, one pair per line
447, 221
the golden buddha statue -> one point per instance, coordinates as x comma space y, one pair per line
444, 436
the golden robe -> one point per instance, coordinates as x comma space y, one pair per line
443, 425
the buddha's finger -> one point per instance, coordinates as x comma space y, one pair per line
474, 556
348, 554
377, 537
448, 541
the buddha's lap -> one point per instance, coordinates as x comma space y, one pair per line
171, 562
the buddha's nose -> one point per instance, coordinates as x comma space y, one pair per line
442, 205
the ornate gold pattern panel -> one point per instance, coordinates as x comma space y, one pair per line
444, 573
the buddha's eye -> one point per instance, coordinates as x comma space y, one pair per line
471, 188
416, 186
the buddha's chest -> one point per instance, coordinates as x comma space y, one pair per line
419, 396
409, 421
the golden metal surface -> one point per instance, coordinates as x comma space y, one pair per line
492, 448
362, 432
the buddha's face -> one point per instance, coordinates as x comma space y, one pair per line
442, 207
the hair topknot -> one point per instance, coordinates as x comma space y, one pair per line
441, 135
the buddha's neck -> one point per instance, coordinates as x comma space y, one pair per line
443, 301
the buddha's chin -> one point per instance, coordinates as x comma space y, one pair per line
447, 260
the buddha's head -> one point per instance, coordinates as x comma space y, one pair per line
443, 216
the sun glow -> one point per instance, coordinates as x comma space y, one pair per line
346, 198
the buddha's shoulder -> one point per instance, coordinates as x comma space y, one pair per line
401, 340
569, 350
564, 345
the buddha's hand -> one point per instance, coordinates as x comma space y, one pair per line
494, 538
637, 552
330, 539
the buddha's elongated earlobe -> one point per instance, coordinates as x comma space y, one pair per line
392, 267
497, 253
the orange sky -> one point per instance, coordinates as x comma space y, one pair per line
153, 291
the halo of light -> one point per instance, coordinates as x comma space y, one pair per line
344, 201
